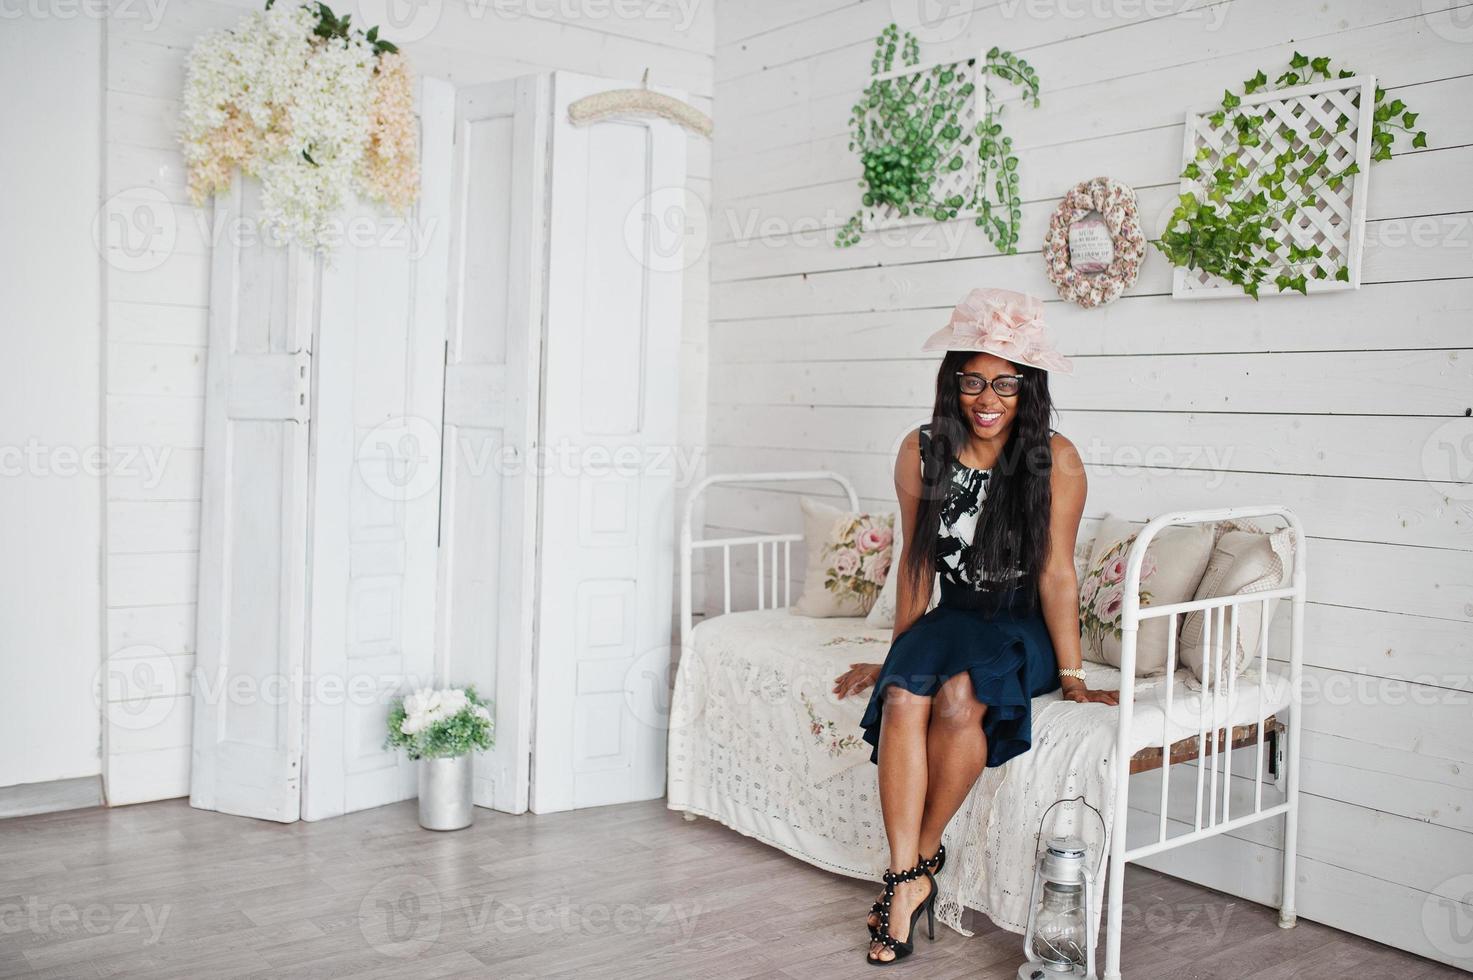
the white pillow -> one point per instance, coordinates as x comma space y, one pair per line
1170, 572
848, 560
882, 616
1244, 560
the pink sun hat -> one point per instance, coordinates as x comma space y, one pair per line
1001, 322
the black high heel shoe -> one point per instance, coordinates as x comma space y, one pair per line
903, 948
934, 864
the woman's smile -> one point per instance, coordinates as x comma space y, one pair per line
986, 419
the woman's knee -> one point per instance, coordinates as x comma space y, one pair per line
902, 707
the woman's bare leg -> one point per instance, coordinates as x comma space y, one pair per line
957, 753
903, 779
903, 772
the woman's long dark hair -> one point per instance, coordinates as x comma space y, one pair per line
1013, 528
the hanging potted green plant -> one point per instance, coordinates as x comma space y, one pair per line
925, 146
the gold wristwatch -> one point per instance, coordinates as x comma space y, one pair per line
1072, 672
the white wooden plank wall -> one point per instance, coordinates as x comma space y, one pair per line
1333, 405
51, 461
157, 291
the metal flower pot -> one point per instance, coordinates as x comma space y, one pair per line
445, 792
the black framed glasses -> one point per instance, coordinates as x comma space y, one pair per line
1005, 385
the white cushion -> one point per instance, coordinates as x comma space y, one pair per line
882, 616
1244, 560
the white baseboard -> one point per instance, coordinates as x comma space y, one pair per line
58, 794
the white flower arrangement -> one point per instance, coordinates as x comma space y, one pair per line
431, 723
315, 109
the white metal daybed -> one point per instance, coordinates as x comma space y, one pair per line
758, 742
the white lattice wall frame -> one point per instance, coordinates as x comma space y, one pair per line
1337, 221
951, 182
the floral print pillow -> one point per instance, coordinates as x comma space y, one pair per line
849, 557
1102, 593
1170, 571
857, 556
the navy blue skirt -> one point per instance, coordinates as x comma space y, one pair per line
1009, 655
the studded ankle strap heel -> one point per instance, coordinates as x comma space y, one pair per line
934, 864
903, 948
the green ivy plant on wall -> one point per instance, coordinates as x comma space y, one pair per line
1266, 177
999, 206
925, 150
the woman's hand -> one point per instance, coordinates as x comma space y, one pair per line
856, 679
1082, 694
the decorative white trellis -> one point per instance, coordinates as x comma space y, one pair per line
948, 183
1303, 116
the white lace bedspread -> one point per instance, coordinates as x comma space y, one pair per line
759, 743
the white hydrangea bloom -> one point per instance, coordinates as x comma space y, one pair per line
284, 106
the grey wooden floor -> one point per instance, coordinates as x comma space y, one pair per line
162, 890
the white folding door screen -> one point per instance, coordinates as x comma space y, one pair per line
488, 517
323, 587
317, 544
251, 635
609, 431
377, 382
378, 509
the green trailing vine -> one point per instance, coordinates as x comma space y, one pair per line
998, 184
911, 131
1235, 228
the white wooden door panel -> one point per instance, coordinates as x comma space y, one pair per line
610, 363
246, 751
488, 493
375, 506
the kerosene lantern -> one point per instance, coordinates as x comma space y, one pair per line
1060, 912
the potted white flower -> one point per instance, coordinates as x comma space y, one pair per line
440, 729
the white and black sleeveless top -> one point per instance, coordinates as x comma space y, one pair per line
966, 490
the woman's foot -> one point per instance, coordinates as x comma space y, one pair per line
909, 895
933, 864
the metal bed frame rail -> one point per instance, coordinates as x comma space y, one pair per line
760, 541
1214, 673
